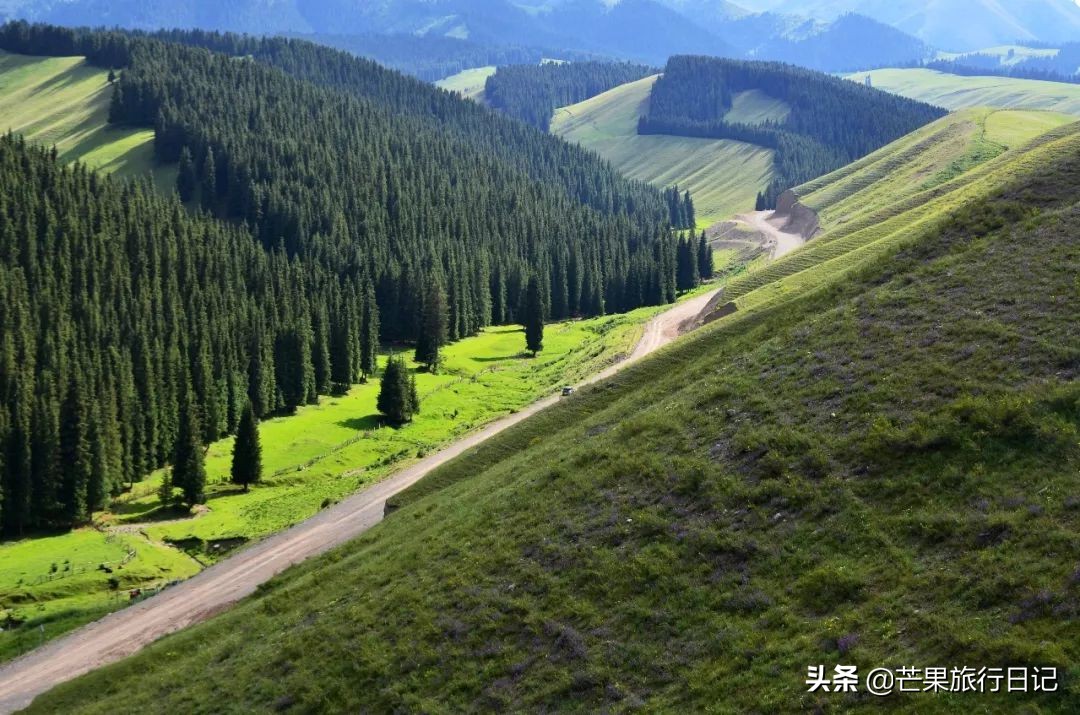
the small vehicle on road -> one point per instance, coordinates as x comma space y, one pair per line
567, 391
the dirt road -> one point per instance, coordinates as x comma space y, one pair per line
124, 632
763, 222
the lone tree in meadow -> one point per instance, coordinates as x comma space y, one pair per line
247, 453
397, 392
432, 329
534, 316
189, 471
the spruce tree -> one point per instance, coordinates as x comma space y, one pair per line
189, 470
369, 333
320, 350
534, 316
208, 177
247, 452
432, 325
341, 355
76, 458
186, 180
686, 273
397, 400
704, 258
292, 358
165, 492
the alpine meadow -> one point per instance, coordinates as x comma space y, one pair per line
539, 356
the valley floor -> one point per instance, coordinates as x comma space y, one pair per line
125, 632
50, 584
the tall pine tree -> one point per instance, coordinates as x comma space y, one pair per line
534, 316
704, 258
432, 325
76, 459
369, 332
189, 470
247, 452
186, 179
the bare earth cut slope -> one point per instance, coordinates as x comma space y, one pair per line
873, 463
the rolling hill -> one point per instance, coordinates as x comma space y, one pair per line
873, 206
723, 176
956, 92
878, 468
64, 102
831, 122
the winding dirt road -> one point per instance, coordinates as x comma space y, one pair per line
763, 222
126, 631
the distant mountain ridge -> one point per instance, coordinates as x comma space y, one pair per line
958, 25
639, 29
646, 31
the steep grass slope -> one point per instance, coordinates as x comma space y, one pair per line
882, 473
63, 102
956, 92
468, 83
880, 202
723, 176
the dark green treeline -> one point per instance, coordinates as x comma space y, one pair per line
386, 175
119, 310
344, 201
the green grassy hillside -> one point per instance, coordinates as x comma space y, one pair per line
956, 92
64, 102
468, 83
756, 107
49, 585
723, 176
877, 204
883, 472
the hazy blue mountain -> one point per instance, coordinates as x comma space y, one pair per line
851, 42
707, 13
640, 29
951, 24
971, 24
848, 42
814, 33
